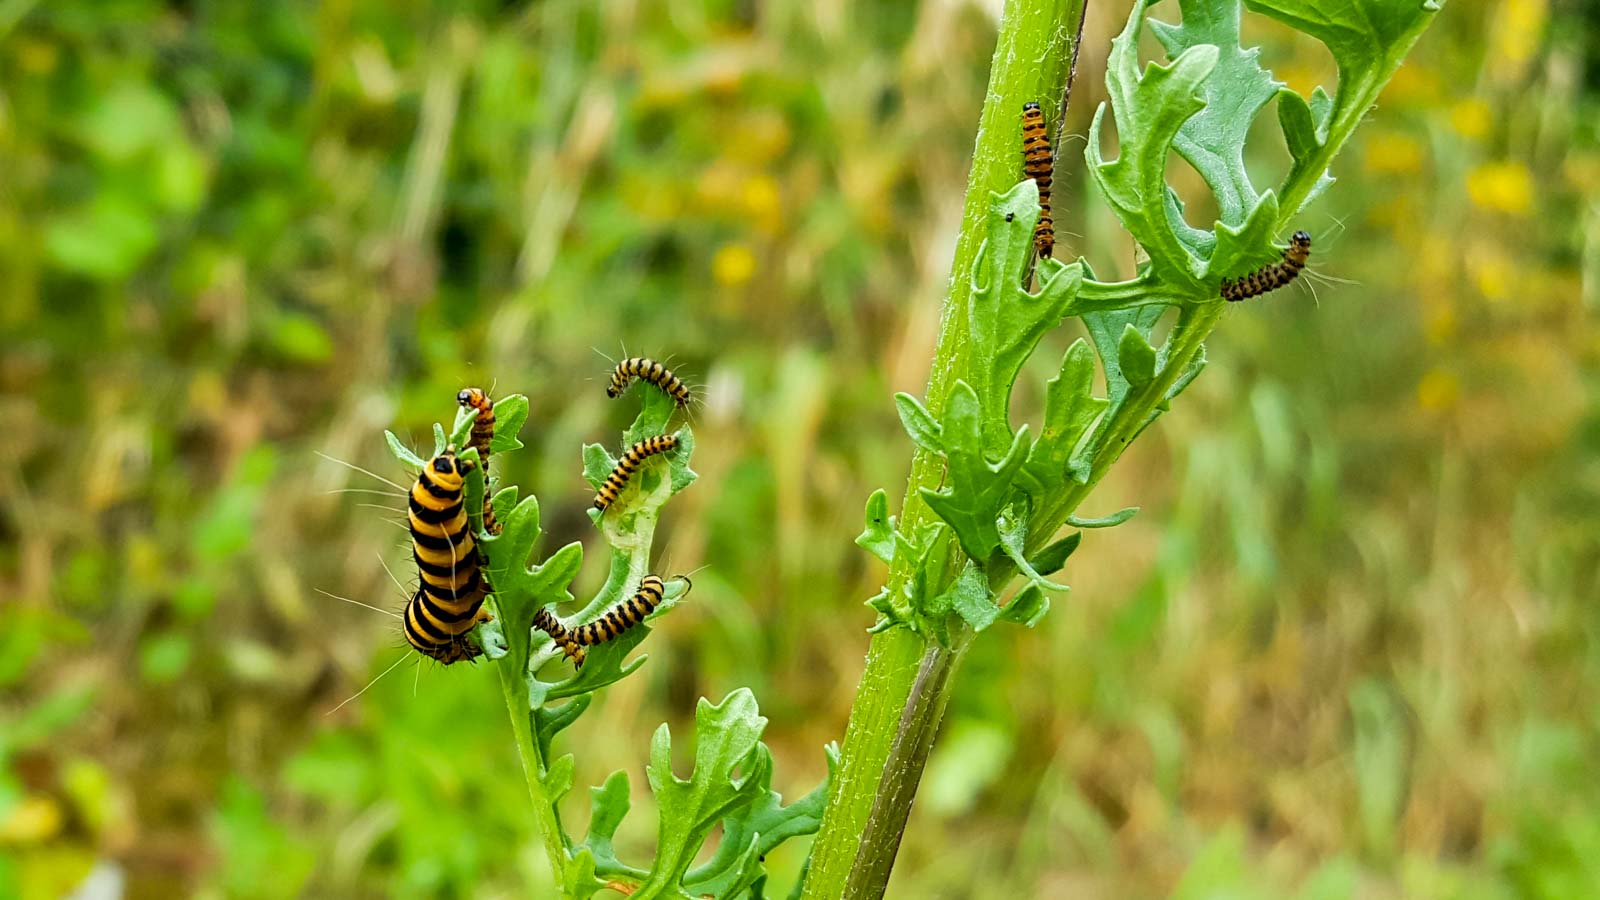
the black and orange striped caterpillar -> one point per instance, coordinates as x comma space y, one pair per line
1270, 278
646, 369
1038, 163
630, 463
449, 600
482, 437
610, 624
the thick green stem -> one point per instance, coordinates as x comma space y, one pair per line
514, 685
860, 835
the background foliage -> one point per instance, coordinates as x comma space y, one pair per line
1345, 647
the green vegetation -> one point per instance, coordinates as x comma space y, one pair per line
1344, 649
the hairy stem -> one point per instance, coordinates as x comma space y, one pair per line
855, 848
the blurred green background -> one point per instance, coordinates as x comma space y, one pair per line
1347, 649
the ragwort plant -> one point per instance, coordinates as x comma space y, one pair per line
976, 541
731, 785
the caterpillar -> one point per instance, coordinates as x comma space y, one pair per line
449, 600
548, 624
649, 370
1038, 163
1270, 278
624, 615
630, 463
482, 437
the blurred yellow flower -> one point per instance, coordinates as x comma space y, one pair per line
733, 265
33, 820
1392, 153
764, 203
1515, 36
1438, 391
1471, 118
1503, 187
1492, 272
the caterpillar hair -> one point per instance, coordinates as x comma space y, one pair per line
1270, 278
547, 623
646, 369
482, 437
630, 463
449, 601
1038, 163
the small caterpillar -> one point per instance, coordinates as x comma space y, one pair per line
624, 615
630, 463
1270, 278
1038, 163
449, 601
482, 437
646, 369
547, 623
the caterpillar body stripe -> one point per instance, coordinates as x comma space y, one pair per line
449, 598
1038, 163
1270, 278
630, 463
646, 369
482, 437
624, 615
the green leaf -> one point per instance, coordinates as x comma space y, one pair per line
509, 414
1368, 40
1246, 247
402, 452
878, 536
1054, 557
1027, 608
972, 600
756, 829
1213, 140
1150, 110
919, 423
1107, 331
1116, 518
727, 738
1005, 321
1135, 357
1070, 409
558, 778
978, 490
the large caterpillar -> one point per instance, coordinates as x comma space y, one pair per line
630, 463
482, 437
1038, 163
646, 369
1270, 278
449, 600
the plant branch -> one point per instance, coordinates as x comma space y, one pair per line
854, 850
